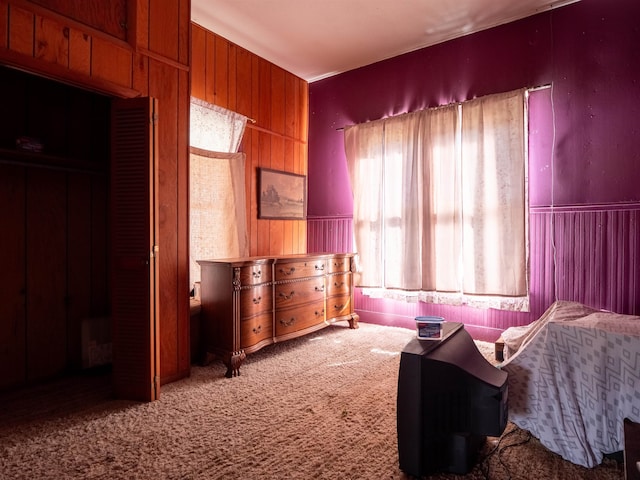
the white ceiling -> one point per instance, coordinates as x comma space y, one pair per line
315, 39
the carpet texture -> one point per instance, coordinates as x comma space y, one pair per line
322, 407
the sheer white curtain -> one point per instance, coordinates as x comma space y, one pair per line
364, 147
439, 200
494, 200
217, 201
406, 201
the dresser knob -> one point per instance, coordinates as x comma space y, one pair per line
256, 301
287, 297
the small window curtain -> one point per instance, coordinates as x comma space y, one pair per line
439, 200
217, 201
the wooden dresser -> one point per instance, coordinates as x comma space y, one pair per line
251, 302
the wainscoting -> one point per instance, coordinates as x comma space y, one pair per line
586, 253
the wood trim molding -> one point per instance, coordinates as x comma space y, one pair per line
275, 134
59, 73
162, 58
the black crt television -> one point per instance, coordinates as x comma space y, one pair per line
450, 398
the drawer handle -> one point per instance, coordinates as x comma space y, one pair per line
319, 313
339, 307
287, 323
256, 301
338, 264
257, 274
288, 272
320, 289
320, 267
257, 329
287, 297
336, 284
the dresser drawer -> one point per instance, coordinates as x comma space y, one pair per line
300, 269
290, 294
339, 264
255, 300
338, 284
255, 274
293, 319
338, 306
256, 329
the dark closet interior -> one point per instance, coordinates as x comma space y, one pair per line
54, 228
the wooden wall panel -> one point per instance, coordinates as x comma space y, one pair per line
111, 62
163, 28
141, 74
107, 15
80, 52
264, 94
221, 73
51, 41
278, 103
234, 78
21, 29
4, 23
243, 82
210, 68
184, 32
199, 52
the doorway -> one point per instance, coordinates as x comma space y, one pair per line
54, 184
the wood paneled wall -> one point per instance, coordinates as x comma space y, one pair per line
231, 77
152, 61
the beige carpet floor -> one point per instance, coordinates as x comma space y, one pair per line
319, 407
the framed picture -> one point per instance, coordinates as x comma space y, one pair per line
282, 195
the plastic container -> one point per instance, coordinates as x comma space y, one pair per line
429, 328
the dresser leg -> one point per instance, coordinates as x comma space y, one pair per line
233, 360
353, 321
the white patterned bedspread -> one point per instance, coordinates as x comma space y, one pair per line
574, 375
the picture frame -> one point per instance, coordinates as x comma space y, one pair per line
281, 195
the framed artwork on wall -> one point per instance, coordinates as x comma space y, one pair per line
282, 195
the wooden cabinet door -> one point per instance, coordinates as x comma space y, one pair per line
12, 276
134, 233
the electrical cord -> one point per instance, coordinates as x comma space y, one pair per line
498, 449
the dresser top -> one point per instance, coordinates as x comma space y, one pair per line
241, 261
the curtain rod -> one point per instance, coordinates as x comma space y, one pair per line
530, 89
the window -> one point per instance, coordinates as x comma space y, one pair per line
217, 200
440, 202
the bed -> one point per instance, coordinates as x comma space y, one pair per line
574, 376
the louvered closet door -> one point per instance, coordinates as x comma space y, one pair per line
134, 287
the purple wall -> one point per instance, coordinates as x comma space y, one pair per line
590, 52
